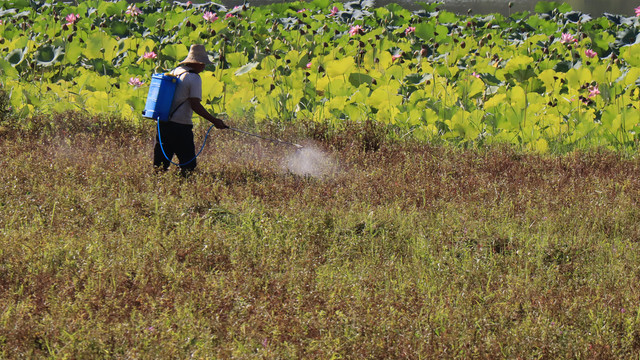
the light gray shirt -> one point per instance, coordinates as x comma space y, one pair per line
189, 86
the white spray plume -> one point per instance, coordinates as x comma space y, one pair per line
310, 161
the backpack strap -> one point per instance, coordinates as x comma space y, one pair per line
182, 103
176, 109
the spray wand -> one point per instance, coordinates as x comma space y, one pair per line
266, 138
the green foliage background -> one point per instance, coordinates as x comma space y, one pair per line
431, 75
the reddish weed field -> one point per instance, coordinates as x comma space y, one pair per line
399, 251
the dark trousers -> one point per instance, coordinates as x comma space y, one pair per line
177, 139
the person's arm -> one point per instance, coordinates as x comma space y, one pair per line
197, 107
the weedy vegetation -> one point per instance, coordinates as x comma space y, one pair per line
406, 251
480, 199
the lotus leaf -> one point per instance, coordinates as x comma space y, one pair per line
471, 88
340, 67
7, 70
445, 17
628, 36
101, 46
357, 79
417, 79
509, 119
246, 68
551, 6
7, 12
465, 125
175, 52
385, 97
517, 98
551, 80
631, 77
618, 19
631, 54
577, 17
518, 62
98, 100
112, 8
32, 96
339, 87
73, 52
578, 77
48, 55
16, 56
119, 28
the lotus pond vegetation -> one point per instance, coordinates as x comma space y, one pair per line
551, 80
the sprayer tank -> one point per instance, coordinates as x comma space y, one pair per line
160, 96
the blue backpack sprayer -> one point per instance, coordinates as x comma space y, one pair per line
158, 107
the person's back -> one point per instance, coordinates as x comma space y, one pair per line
189, 86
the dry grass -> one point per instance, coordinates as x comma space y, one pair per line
408, 251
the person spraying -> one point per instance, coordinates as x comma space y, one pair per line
177, 132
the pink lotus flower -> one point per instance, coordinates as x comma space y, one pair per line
209, 16
476, 75
133, 10
72, 18
395, 57
302, 10
409, 30
135, 82
355, 30
590, 53
593, 91
150, 55
567, 38
309, 65
334, 11
229, 15
637, 11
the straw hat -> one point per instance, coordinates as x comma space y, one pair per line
197, 55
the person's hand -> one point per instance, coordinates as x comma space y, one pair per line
219, 124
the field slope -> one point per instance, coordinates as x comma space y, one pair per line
403, 251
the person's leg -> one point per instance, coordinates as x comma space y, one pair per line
160, 162
186, 149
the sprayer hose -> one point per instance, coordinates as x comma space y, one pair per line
183, 164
